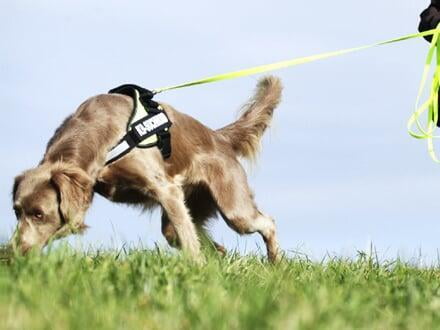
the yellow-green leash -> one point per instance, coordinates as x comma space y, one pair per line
431, 104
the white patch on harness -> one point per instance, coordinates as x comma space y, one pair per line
116, 151
151, 124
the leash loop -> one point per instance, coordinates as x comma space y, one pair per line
415, 128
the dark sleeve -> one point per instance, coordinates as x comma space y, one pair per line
430, 18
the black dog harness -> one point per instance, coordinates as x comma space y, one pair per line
147, 127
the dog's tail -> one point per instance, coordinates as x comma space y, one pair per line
244, 135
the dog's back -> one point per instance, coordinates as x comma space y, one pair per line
191, 140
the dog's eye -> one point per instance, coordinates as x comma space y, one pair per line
38, 215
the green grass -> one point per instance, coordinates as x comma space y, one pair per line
64, 289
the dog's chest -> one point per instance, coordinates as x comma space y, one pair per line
124, 193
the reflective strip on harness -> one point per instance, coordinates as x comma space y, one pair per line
117, 151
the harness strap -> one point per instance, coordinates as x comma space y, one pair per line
147, 127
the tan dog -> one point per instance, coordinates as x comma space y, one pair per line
202, 177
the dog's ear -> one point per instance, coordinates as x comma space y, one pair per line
17, 181
74, 187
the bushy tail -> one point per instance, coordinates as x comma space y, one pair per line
244, 135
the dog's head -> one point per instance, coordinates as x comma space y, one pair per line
49, 202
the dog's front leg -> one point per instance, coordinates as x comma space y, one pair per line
171, 197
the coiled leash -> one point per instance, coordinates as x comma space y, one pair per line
421, 132
426, 131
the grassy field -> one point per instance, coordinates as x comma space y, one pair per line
151, 290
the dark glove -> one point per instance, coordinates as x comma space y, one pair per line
430, 18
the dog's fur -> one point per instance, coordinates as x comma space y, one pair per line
202, 177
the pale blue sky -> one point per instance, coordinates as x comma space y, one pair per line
337, 169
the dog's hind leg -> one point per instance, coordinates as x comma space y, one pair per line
209, 242
237, 207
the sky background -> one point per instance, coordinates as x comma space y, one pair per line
337, 170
